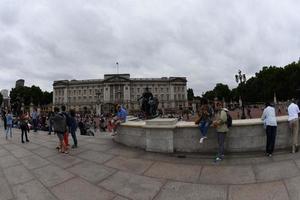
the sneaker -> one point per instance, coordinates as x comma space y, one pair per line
74, 146
201, 140
218, 159
270, 155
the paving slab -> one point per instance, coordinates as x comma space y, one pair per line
78, 189
91, 171
34, 161
21, 152
8, 161
98, 147
189, 191
132, 165
45, 152
276, 171
263, 191
64, 160
120, 198
227, 175
17, 174
3, 152
31, 146
52, 175
125, 152
5, 192
97, 157
32, 190
133, 186
293, 187
180, 172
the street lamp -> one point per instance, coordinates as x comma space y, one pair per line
241, 79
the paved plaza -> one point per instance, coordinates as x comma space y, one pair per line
101, 169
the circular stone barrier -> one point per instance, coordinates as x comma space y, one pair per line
169, 135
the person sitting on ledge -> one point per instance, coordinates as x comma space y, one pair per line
120, 118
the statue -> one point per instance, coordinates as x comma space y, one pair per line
149, 104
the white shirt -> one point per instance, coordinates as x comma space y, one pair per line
269, 116
293, 111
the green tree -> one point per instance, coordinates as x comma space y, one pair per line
190, 94
222, 91
210, 95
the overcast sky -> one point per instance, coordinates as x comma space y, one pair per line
205, 40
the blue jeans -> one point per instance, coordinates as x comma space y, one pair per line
35, 123
221, 141
73, 134
9, 129
203, 126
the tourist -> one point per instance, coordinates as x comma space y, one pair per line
60, 127
293, 112
270, 123
120, 118
220, 123
50, 122
205, 120
34, 117
73, 128
23, 120
9, 121
67, 116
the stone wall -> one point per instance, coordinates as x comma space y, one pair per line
168, 135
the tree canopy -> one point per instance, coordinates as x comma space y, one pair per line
28, 95
282, 81
190, 94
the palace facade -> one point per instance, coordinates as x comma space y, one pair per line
99, 95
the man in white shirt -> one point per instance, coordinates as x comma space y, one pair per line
269, 118
293, 111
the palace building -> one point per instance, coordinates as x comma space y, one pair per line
99, 95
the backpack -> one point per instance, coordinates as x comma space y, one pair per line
229, 120
59, 123
68, 118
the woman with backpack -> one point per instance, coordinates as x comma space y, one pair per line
221, 126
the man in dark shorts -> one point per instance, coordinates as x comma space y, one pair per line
60, 127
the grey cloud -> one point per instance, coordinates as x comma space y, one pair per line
207, 41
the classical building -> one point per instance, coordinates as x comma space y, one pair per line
101, 94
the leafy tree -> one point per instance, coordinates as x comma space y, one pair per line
222, 91
190, 94
210, 95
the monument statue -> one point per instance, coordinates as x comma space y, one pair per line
149, 104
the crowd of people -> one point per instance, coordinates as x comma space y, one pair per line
62, 123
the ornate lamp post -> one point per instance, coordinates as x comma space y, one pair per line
241, 79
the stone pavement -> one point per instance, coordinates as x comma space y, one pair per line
101, 169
